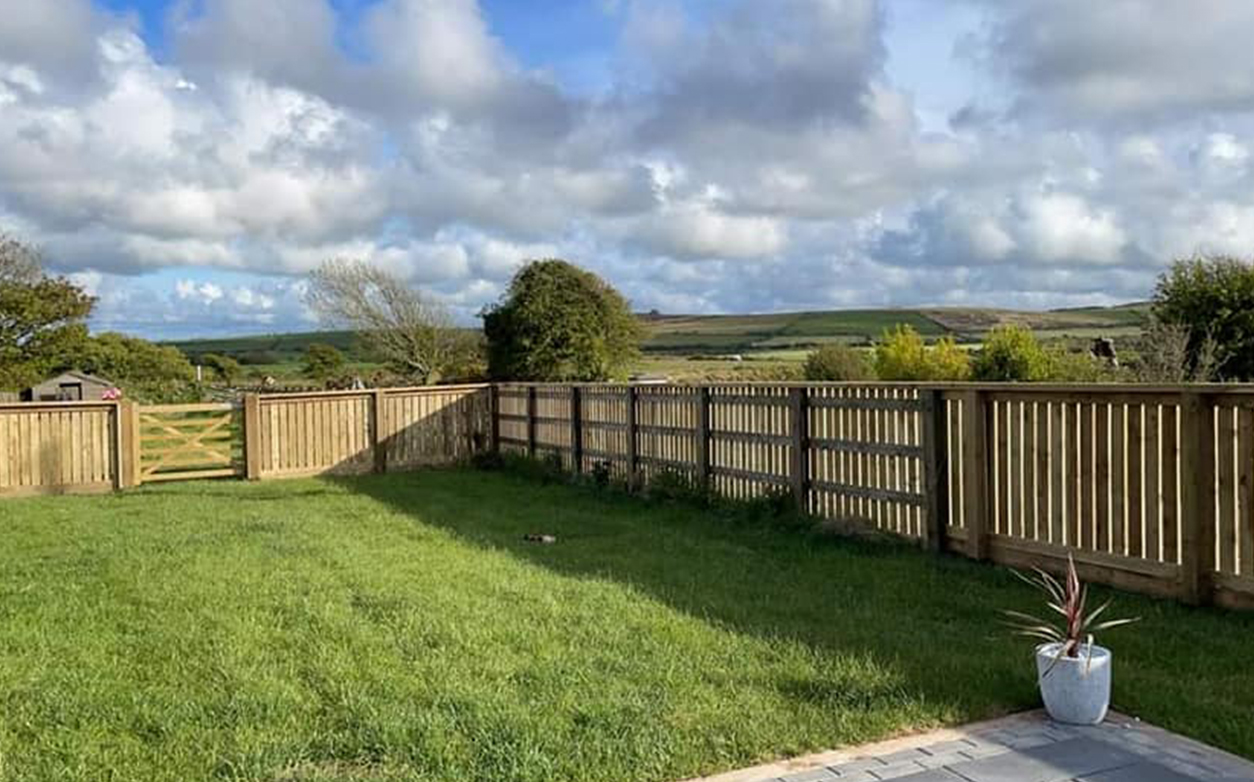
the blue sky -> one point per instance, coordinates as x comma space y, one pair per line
190, 162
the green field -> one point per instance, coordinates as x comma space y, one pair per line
713, 334
399, 627
688, 346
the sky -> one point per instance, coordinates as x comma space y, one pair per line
190, 161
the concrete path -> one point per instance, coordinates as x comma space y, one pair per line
1020, 748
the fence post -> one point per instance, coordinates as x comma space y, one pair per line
379, 424
494, 417
975, 468
798, 403
632, 457
132, 456
576, 430
703, 438
126, 466
935, 468
252, 437
1197, 501
531, 422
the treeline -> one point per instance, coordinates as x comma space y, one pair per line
43, 330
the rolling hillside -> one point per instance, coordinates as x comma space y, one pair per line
777, 333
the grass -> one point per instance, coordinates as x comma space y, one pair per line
399, 627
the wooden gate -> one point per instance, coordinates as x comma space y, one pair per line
180, 442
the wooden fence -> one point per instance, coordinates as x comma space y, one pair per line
1147, 488
69, 447
364, 431
57, 448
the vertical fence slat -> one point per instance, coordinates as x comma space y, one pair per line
1225, 444
1245, 482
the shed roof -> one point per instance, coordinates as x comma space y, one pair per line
77, 375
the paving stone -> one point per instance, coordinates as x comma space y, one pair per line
813, 775
946, 759
901, 756
1029, 740
858, 776
1138, 772
896, 770
944, 747
854, 766
931, 775
1051, 763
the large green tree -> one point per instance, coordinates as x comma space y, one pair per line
146, 371
42, 318
557, 322
1213, 298
322, 362
226, 368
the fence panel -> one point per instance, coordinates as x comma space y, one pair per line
349, 432
866, 456
308, 434
603, 424
665, 431
59, 448
423, 427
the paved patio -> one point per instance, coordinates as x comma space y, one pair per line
1020, 748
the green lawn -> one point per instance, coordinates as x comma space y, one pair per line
399, 627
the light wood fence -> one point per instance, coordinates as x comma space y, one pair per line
70, 447
58, 448
1147, 488
364, 431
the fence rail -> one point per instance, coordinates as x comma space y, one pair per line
1149, 488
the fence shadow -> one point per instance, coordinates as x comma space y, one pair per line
910, 612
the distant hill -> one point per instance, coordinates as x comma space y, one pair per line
271, 348
714, 334
775, 331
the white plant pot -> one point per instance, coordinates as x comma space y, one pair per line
1075, 689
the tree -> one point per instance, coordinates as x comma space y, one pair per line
559, 322
1213, 298
1163, 355
410, 332
146, 371
322, 362
226, 368
837, 362
901, 354
1011, 353
42, 319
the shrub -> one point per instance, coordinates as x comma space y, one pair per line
901, 354
1066, 366
1213, 298
838, 363
1011, 353
226, 368
322, 362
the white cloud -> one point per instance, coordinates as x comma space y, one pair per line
742, 155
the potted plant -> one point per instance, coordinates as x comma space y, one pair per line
1073, 671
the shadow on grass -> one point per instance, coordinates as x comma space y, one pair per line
934, 621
